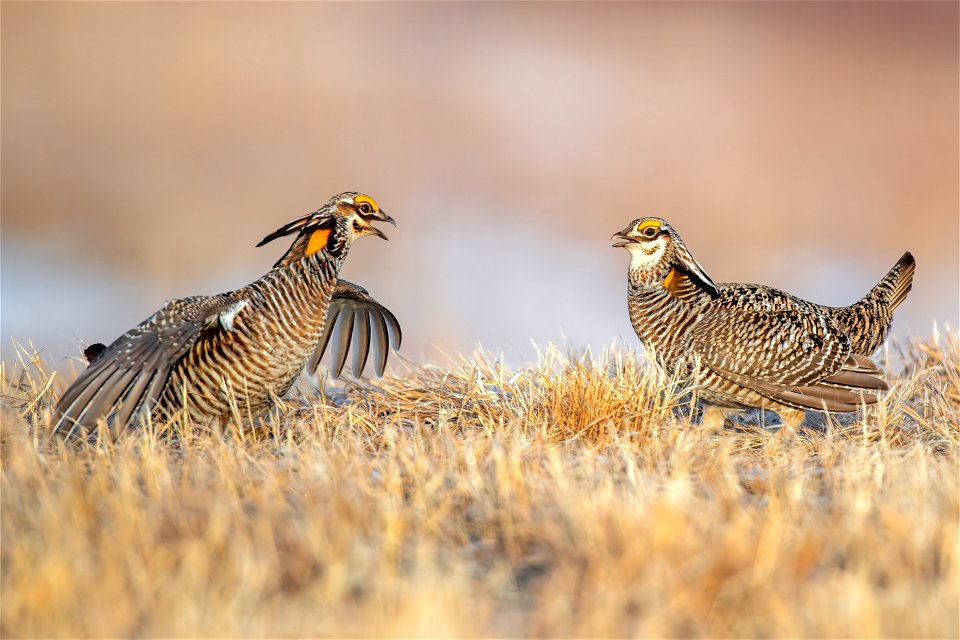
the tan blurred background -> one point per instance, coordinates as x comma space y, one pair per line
146, 148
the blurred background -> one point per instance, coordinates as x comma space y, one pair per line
147, 147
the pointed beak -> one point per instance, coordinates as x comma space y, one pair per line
621, 239
382, 217
386, 218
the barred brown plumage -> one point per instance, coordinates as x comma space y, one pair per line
352, 312
747, 345
206, 356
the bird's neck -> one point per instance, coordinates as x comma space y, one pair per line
320, 266
647, 277
663, 303
301, 289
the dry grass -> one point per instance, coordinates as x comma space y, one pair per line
570, 498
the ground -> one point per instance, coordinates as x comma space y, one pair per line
573, 497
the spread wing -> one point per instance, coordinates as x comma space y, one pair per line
790, 354
133, 371
357, 322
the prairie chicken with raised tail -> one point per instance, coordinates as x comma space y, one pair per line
750, 345
208, 356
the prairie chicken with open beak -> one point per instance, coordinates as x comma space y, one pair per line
751, 345
208, 356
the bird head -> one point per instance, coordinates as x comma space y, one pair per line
647, 240
359, 212
333, 227
656, 248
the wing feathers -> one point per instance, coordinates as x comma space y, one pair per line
817, 395
862, 364
135, 368
785, 350
133, 397
381, 341
333, 319
74, 400
855, 380
395, 334
134, 371
342, 342
361, 347
814, 398
140, 396
109, 393
361, 325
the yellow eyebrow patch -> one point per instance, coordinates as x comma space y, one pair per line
370, 201
648, 223
317, 241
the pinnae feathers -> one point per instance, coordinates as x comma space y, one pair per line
285, 230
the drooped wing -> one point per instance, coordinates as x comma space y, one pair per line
133, 371
791, 355
358, 323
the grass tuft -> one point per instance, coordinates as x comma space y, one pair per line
572, 497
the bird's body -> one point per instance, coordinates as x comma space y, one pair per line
209, 357
751, 345
267, 331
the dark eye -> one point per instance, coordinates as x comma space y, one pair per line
649, 232
365, 208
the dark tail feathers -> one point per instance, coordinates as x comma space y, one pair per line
867, 321
899, 279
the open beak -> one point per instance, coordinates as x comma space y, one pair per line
622, 239
382, 217
385, 218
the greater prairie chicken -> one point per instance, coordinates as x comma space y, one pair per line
209, 356
750, 345
353, 316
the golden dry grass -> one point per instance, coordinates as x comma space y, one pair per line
569, 498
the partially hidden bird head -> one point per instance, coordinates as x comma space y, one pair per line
333, 227
657, 252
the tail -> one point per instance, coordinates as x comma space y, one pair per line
899, 280
867, 322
